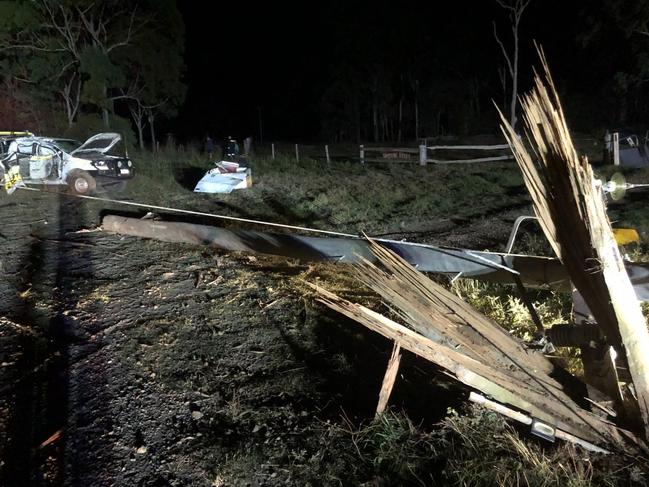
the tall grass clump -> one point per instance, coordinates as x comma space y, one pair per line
476, 447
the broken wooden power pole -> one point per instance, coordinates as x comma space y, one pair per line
494, 267
570, 205
534, 271
476, 351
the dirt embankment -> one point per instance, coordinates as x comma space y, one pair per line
132, 362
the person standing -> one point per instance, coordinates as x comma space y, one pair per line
230, 149
209, 147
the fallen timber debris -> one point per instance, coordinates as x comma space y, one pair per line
473, 349
534, 271
389, 379
517, 377
570, 205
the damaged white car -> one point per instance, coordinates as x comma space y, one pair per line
224, 178
45, 161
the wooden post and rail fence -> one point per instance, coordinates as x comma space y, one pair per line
422, 155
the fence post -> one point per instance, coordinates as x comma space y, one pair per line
327, 153
423, 155
297, 153
362, 154
616, 149
272, 151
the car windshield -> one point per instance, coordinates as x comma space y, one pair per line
67, 145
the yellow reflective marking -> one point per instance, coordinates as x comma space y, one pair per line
625, 236
12, 179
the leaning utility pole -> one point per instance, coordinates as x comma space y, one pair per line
570, 205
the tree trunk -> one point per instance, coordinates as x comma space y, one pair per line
137, 113
151, 118
357, 115
140, 132
68, 110
400, 129
416, 120
416, 89
475, 91
375, 120
502, 75
515, 9
104, 110
622, 109
71, 98
514, 100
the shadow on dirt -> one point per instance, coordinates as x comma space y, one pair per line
351, 367
36, 408
39, 412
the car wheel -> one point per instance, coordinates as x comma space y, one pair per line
80, 182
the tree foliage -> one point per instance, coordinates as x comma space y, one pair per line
81, 56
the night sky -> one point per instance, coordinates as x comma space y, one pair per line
279, 56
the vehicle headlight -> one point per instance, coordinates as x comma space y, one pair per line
130, 163
119, 163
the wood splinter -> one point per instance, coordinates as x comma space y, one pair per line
388, 380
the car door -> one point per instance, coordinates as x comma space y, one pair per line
42, 161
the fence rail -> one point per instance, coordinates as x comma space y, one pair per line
422, 155
469, 161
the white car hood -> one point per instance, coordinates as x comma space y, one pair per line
98, 143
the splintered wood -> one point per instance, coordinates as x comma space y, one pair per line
475, 350
388, 381
440, 327
571, 208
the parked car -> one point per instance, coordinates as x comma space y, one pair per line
65, 162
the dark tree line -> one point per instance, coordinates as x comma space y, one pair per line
341, 70
71, 65
403, 71
390, 80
